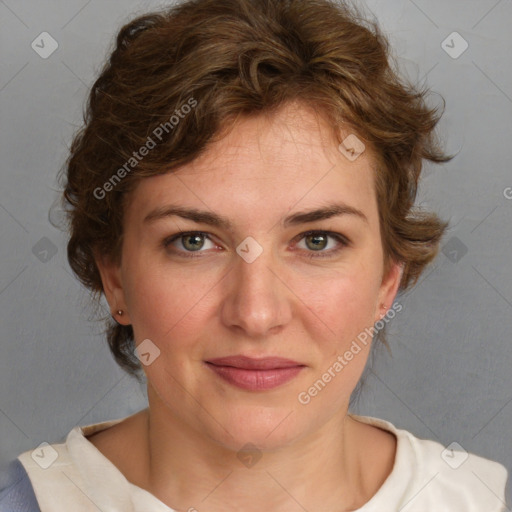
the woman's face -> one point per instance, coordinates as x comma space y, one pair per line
259, 287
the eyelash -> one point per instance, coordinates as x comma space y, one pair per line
342, 240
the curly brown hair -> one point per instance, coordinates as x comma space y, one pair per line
223, 59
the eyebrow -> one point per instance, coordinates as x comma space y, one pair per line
214, 219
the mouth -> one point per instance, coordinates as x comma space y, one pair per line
251, 363
255, 374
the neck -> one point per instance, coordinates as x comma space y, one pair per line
187, 470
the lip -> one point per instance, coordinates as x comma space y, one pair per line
251, 363
255, 374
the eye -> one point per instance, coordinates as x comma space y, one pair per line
317, 241
186, 243
192, 241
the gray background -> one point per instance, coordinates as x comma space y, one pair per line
449, 377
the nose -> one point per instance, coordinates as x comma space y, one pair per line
256, 301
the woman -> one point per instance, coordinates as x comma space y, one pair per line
243, 193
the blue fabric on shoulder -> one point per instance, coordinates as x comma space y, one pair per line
19, 495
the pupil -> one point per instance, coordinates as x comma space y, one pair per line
191, 239
316, 245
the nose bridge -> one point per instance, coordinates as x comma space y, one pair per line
256, 300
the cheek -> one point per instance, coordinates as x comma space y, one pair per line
342, 302
163, 303
343, 308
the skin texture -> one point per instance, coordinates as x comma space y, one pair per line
184, 447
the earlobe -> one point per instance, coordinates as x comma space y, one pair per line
389, 289
113, 289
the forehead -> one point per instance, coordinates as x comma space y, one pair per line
266, 163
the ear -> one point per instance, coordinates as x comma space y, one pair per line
388, 290
113, 288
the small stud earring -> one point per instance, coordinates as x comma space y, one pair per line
120, 312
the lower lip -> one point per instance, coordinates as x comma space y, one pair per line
256, 380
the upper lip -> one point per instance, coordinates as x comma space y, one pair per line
250, 363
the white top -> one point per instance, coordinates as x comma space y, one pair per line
426, 477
